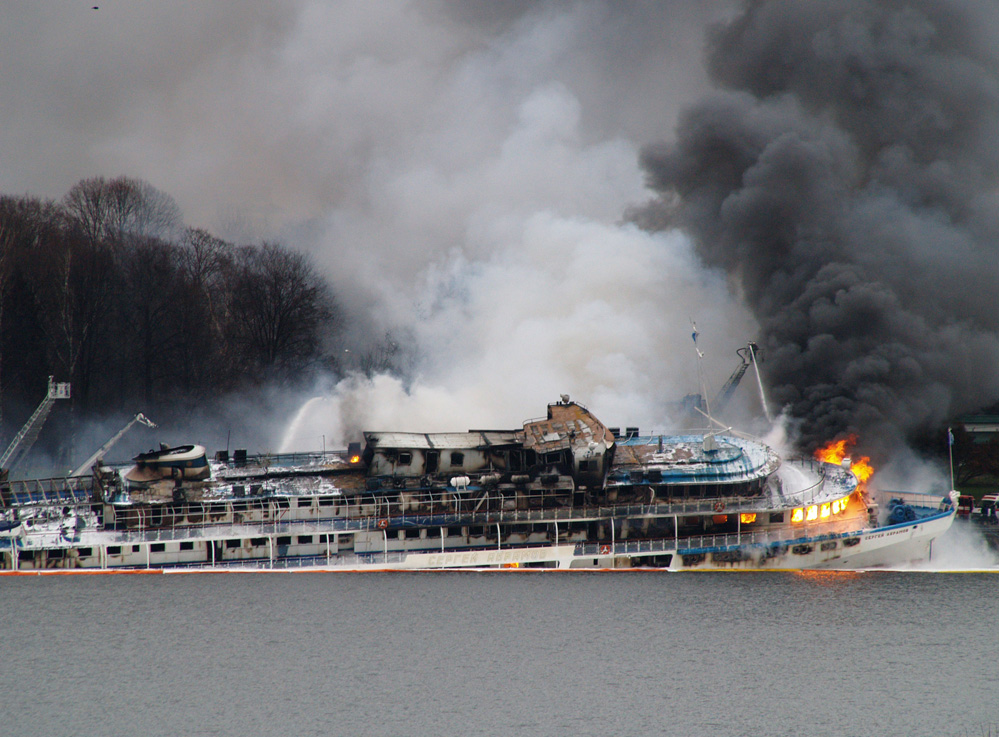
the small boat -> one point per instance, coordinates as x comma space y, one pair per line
181, 462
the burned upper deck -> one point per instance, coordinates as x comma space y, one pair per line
567, 425
569, 438
698, 460
426, 454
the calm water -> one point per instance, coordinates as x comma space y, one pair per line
501, 654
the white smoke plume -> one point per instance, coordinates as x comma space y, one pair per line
459, 170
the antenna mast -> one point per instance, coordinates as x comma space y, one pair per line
700, 370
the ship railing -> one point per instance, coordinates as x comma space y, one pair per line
62, 490
808, 494
341, 560
768, 537
151, 524
284, 460
386, 517
913, 498
706, 542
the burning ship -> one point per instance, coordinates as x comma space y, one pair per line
563, 492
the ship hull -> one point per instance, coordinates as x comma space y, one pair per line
881, 547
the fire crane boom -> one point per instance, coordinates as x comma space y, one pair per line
748, 354
84, 467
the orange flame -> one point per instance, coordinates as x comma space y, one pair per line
862, 468
837, 450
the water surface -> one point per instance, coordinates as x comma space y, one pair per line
512, 653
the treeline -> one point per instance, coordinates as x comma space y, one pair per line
109, 290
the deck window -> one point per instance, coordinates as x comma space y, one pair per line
304, 503
157, 548
304, 539
189, 545
405, 458
233, 543
457, 459
284, 540
114, 549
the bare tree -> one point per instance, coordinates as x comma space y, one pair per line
153, 333
281, 308
110, 210
205, 312
30, 231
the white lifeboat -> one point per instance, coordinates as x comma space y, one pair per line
188, 462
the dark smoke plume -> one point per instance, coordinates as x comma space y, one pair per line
845, 176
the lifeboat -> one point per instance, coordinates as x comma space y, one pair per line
188, 462
9, 528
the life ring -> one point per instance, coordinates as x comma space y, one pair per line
605, 550
719, 506
382, 524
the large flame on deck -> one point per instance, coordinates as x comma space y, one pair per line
838, 450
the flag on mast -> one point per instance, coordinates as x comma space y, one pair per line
693, 335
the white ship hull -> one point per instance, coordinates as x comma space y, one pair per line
566, 493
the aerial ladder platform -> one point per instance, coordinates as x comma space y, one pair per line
28, 434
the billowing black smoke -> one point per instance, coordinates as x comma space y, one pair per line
845, 176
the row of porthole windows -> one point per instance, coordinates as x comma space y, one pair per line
231, 544
153, 548
187, 545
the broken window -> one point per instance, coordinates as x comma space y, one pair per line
457, 459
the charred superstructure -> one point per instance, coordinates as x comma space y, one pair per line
564, 491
